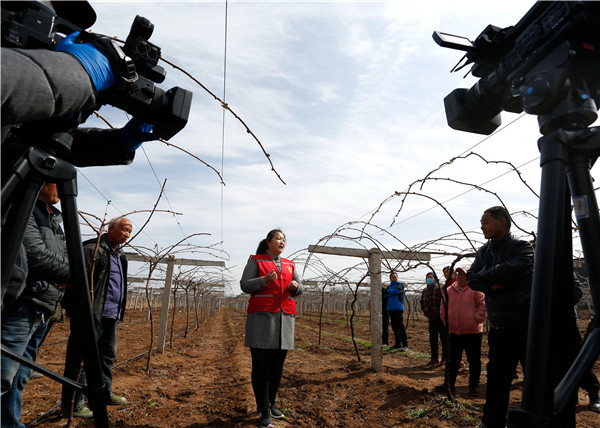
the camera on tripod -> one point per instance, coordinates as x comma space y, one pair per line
522, 67
136, 92
31, 25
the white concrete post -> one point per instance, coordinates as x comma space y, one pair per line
375, 279
164, 312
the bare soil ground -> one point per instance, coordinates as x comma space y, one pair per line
203, 380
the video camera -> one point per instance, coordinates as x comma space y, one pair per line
31, 25
523, 67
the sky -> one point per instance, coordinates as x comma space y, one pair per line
347, 99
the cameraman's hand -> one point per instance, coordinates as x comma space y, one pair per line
95, 63
136, 132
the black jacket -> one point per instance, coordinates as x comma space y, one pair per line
101, 274
507, 262
44, 241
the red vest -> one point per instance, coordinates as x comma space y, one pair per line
275, 296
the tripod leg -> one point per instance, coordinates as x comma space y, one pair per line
550, 256
588, 220
14, 227
83, 314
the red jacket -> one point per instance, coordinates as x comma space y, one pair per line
275, 296
466, 310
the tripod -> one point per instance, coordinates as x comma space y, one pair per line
568, 150
35, 166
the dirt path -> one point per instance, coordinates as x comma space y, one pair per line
208, 375
203, 380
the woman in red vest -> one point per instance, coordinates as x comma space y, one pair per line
272, 283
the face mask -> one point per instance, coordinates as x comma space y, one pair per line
429, 281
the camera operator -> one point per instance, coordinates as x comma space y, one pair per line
61, 85
38, 84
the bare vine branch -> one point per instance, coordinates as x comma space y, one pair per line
226, 107
170, 145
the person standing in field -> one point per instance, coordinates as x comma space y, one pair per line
106, 266
395, 307
272, 283
466, 314
431, 298
385, 319
28, 319
503, 271
450, 277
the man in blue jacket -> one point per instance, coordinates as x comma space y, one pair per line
395, 308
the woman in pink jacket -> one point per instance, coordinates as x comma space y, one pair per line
466, 314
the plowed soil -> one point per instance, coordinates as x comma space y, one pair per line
203, 379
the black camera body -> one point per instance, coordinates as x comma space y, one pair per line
520, 65
167, 111
32, 25
35, 26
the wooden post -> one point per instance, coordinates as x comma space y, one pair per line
164, 312
375, 279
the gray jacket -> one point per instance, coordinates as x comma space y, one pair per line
38, 84
47, 259
268, 330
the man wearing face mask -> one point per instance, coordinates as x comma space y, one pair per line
431, 298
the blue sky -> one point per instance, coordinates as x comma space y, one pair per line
346, 97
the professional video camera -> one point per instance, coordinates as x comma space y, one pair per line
32, 25
525, 67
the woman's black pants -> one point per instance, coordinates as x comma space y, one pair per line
267, 369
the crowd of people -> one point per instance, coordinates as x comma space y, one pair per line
40, 84
494, 290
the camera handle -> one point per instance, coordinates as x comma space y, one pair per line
568, 150
19, 193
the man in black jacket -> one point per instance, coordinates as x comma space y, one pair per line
107, 274
26, 321
502, 270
